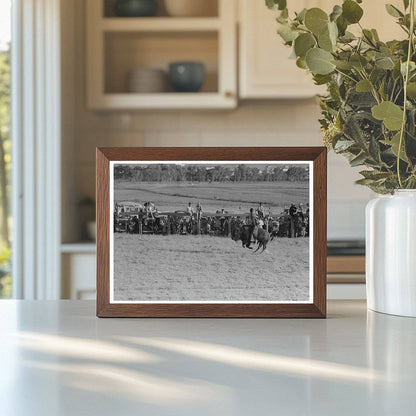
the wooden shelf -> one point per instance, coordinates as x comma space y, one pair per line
159, 24
163, 101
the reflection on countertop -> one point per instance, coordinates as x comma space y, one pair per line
63, 360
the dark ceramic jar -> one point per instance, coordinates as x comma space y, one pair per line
135, 8
186, 76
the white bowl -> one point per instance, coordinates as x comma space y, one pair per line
191, 8
146, 80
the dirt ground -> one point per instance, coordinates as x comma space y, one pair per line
208, 268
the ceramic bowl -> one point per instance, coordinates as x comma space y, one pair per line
186, 76
147, 80
136, 8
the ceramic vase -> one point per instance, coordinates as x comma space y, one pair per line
391, 253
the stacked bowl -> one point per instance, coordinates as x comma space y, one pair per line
191, 8
147, 80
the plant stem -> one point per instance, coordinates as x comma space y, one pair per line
406, 80
346, 75
373, 89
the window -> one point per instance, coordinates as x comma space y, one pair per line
5, 147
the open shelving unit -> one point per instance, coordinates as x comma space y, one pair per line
118, 45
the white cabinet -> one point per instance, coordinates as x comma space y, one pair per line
265, 70
116, 46
78, 263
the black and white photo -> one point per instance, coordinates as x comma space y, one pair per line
195, 232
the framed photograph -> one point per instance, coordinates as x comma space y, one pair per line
211, 232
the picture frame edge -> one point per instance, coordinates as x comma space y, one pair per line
104, 155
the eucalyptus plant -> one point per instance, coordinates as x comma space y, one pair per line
369, 112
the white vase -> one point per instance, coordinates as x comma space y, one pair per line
391, 253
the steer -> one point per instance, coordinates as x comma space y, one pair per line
243, 233
262, 237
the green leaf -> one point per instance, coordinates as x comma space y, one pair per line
343, 145
377, 75
412, 67
411, 90
342, 25
351, 11
368, 36
347, 37
300, 17
396, 71
394, 145
375, 175
336, 12
363, 86
358, 61
333, 32
385, 63
303, 43
354, 131
301, 63
343, 65
393, 11
391, 114
406, 4
327, 40
361, 99
358, 160
382, 88
283, 17
364, 181
325, 43
321, 79
316, 20
375, 35
276, 4
374, 150
319, 61
286, 32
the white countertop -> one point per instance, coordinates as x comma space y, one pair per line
57, 359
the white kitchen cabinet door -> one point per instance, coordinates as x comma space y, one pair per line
78, 275
265, 68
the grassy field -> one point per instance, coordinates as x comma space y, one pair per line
204, 268
233, 197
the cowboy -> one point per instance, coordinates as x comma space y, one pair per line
149, 209
198, 211
300, 212
260, 210
292, 210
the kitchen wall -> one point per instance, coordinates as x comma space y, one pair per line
255, 123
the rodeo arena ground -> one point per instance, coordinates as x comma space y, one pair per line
211, 241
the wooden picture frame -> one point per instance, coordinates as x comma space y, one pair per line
314, 308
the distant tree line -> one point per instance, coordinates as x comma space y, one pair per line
218, 173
